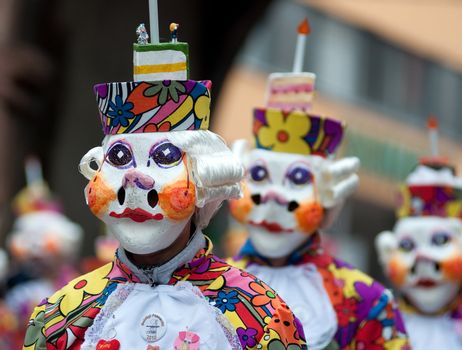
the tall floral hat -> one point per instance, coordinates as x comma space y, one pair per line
286, 124
161, 97
432, 188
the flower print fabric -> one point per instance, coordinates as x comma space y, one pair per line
226, 301
284, 133
367, 315
120, 112
269, 325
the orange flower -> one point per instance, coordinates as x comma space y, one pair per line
265, 295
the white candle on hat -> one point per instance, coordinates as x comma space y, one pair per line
432, 125
33, 170
154, 21
303, 31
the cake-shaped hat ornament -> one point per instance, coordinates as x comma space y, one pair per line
286, 124
161, 97
432, 188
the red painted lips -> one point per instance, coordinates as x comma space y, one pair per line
426, 283
272, 227
137, 215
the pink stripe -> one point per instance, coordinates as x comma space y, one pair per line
292, 88
166, 110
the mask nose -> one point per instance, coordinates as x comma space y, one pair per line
135, 178
133, 181
273, 196
425, 265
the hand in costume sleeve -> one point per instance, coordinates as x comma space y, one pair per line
35, 337
383, 327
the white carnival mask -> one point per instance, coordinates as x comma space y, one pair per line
44, 235
142, 189
423, 259
284, 198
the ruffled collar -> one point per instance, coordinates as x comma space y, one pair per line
310, 251
454, 309
191, 258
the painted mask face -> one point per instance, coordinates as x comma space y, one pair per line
423, 258
142, 190
281, 205
45, 236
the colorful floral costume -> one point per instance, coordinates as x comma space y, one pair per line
422, 255
367, 316
260, 318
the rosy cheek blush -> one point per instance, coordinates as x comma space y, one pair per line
452, 268
397, 272
99, 195
178, 200
241, 208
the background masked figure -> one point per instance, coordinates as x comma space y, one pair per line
292, 188
158, 178
422, 256
43, 244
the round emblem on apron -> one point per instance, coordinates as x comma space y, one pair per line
153, 327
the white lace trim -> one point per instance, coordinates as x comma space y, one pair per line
115, 299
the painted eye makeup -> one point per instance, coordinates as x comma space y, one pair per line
166, 155
299, 175
440, 238
406, 245
258, 173
119, 155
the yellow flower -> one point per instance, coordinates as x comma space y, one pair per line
202, 111
285, 134
71, 296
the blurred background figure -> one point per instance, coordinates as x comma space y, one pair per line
422, 256
44, 246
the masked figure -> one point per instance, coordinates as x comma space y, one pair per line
293, 187
156, 181
422, 256
43, 244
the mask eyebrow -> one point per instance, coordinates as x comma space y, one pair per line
123, 141
160, 142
